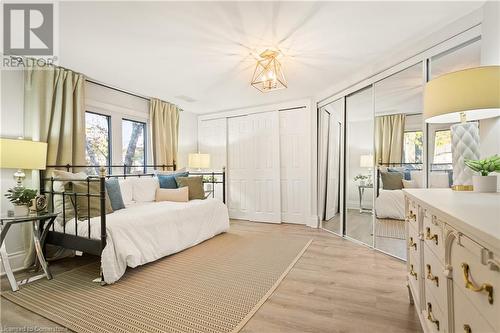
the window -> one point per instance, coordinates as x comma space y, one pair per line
413, 147
442, 147
133, 145
97, 140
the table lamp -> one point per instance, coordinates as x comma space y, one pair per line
366, 161
462, 96
22, 154
199, 161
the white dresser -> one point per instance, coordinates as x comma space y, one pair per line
454, 259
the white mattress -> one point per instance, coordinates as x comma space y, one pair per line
145, 232
390, 204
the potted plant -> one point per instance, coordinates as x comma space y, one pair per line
484, 182
361, 178
21, 198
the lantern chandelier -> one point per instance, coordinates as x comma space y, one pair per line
268, 74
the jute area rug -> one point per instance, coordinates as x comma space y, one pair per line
215, 286
390, 228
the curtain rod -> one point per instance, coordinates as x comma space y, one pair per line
99, 83
116, 89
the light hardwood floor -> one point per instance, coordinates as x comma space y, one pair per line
336, 286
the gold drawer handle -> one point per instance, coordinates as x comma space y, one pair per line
428, 235
412, 243
411, 216
471, 286
467, 329
432, 277
412, 272
430, 316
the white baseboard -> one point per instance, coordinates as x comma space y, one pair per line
313, 222
16, 260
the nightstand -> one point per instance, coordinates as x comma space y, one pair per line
38, 239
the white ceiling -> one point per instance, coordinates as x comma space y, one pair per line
206, 50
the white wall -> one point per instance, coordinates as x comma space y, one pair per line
489, 129
188, 137
12, 126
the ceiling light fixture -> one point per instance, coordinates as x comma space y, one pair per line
268, 74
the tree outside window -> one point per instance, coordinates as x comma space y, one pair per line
133, 145
97, 141
413, 147
442, 147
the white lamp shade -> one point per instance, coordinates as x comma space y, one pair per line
199, 161
23, 154
366, 161
474, 91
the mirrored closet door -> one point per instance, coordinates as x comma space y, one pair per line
399, 154
359, 166
330, 153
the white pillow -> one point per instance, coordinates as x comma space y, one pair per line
145, 188
126, 189
409, 183
418, 177
439, 180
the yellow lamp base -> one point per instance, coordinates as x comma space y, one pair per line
462, 188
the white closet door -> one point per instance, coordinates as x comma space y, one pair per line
293, 166
240, 167
266, 171
212, 140
323, 137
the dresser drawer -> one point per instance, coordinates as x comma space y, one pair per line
466, 317
434, 280
436, 320
433, 235
475, 280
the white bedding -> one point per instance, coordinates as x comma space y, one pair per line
390, 204
144, 232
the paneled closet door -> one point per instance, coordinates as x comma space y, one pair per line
254, 167
293, 166
266, 171
240, 167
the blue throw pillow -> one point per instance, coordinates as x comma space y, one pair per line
114, 193
168, 181
405, 172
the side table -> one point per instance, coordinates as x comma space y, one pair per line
36, 221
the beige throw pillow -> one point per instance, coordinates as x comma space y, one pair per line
195, 185
392, 180
63, 185
82, 203
175, 195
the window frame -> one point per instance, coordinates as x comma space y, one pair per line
110, 136
145, 138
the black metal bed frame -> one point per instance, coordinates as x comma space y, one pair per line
85, 243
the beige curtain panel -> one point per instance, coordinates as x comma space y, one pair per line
54, 108
164, 119
389, 137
